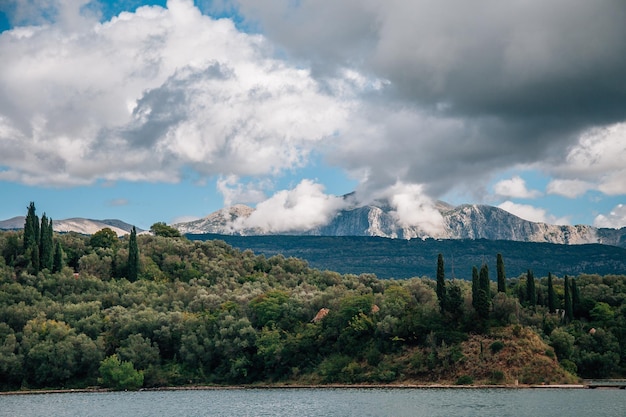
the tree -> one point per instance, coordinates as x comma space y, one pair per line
576, 307
501, 274
441, 284
475, 287
133, 256
46, 244
569, 311
483, 298
31, 228
119, 375
57, 261
531, 291
103, 238
484, 281
551, 295
162, 229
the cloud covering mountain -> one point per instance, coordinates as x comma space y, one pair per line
462, 222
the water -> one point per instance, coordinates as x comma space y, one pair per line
323, 402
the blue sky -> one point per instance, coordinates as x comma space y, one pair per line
173, 110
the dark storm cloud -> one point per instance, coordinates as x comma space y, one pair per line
482, 85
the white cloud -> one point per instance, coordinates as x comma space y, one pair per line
235, 192
414, 208
596, 161
302, 208
531, 213
146, 93
616, 218
568, 188
515, 188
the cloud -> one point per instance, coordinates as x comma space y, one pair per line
568, 188
118, 202
515, 188
235, 192
147, 93
469, 89
615, 219
531, 213
412, 207
302, 208
436, 93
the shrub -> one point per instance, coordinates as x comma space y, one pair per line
464, 380
119, 375
497, 377
496, 346
569, 366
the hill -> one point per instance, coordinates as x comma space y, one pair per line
75, 224
206, 313
399, 258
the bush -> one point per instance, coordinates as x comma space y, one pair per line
119, 375
497, 377
464, 380
496, 346
569, 366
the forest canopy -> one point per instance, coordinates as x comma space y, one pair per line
168, 311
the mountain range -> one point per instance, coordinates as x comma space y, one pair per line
460, 222
75, 224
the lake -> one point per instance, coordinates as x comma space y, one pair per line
342, 402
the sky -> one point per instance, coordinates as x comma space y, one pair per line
150, 110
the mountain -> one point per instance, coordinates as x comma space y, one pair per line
76, 224
461, 222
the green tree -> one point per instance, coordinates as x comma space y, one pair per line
551, 295
576, 305
162, 229
441, 284
484, 281
475, 287
501, 274
31, 228
569, 311
46, 244
531, 291
57, 261
133, 256
103, 238
119, 375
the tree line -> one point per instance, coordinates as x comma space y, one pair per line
157, 309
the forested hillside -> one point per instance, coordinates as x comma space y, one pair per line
400, 258
149, 311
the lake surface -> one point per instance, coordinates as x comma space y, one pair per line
323, 402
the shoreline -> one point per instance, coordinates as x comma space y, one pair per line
294, 386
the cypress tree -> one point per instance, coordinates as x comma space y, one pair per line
46, 245
531, 292
569, 311
501, 274
441, 284
484, 281
475, 287
483, 295
483, 305
575, 299
31, 228
551, 295
133, 256
57, 262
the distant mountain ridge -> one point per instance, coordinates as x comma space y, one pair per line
469, 221
75, 224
